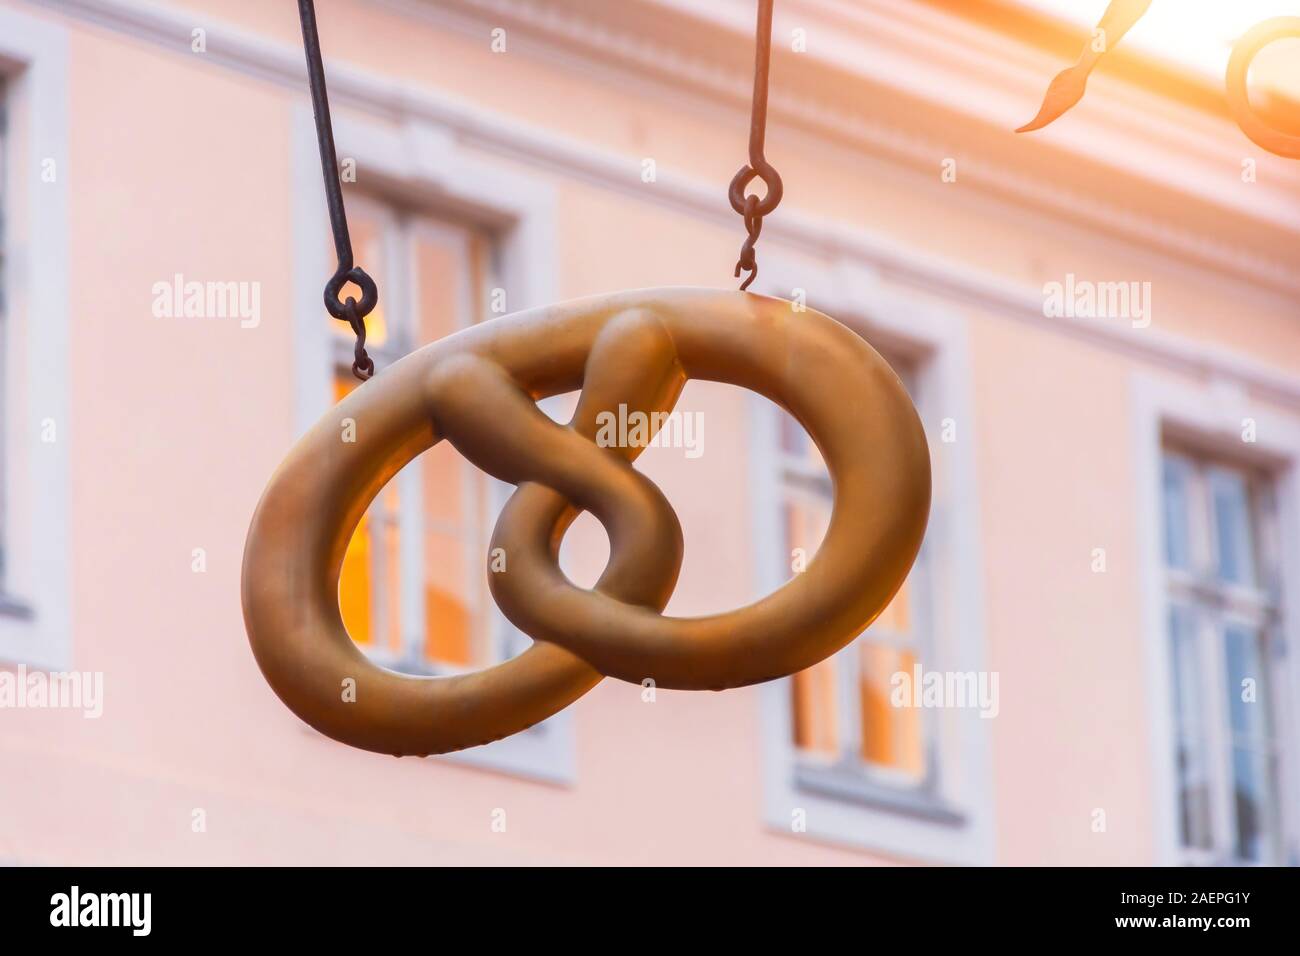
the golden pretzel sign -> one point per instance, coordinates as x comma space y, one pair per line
478, 390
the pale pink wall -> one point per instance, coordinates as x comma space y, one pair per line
179, 164
1054, 427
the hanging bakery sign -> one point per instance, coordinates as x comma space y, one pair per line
478, 390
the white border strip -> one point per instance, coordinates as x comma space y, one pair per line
38, 353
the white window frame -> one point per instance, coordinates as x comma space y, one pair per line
36, 596
1209, 416
954, 823
428, 163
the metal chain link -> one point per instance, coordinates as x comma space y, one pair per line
350, 311
751, 207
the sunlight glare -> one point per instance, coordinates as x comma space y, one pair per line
1195, 33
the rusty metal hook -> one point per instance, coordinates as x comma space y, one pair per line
752, 207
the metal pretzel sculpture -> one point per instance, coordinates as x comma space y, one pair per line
477, 389
1069, 86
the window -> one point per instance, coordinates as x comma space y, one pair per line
841, 763
4, 341
35, 602
412, 590
1221, 557
843, 720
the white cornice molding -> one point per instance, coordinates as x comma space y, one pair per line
602, 38
1147, 141
510, 137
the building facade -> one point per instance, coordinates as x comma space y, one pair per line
1089, 663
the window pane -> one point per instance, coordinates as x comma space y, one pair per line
354, 584
1234, 537
449, 618
441, 281
1193, 796
1186, 668
1253, 781
1178, 537
814, 690
1253, 770
449, 623
891, 736
1190, 751
814, 709
1246, 673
